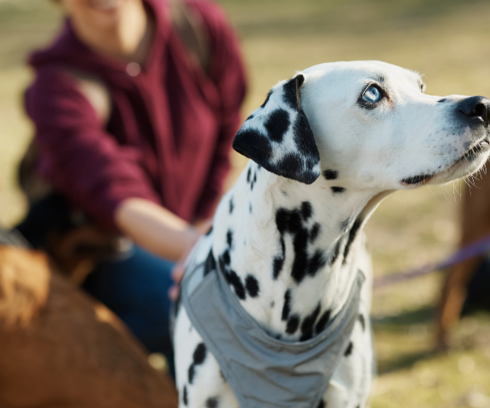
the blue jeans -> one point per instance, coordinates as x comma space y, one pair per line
136, 290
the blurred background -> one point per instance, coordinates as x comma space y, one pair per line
447, 42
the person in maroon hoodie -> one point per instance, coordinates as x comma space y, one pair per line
134, 132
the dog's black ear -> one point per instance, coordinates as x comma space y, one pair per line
278, 137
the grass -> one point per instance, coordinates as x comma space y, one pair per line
444, 40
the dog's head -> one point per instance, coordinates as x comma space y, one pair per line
368, 123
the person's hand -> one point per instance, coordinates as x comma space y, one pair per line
203, 226
178, 273
155, 228
179, 269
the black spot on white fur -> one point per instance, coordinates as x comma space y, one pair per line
321, 404
300, 262
199, 354
348, 350
316, 262
308, 324
293, 222
184, 396
416, 179
210, 264
224, 260
330, 174
229, 238
198, 358
292, 324
335, 253
278, 261
315, 232
277, 125
288, 221
338, 190
252, 286
322, 322
362, 321
212, 402
234, 280
254, 181
231, 205
306, 210
286, 309
352, 236
230, 275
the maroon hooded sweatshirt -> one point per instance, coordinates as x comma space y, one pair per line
169, 134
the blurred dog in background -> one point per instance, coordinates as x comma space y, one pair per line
60, 348
467, 285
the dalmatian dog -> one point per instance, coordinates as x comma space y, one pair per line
326, 147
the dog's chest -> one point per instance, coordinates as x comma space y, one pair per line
275, 260
199, 376
295, 376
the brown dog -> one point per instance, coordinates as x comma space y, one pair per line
59, 348
474, 225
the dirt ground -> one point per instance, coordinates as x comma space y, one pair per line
447, 41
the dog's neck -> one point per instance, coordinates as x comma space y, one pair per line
289, 250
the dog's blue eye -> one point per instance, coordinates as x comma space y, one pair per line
372, 94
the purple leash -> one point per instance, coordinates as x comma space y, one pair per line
463, 254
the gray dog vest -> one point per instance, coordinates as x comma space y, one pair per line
264, 372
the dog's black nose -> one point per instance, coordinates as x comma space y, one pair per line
476, 107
